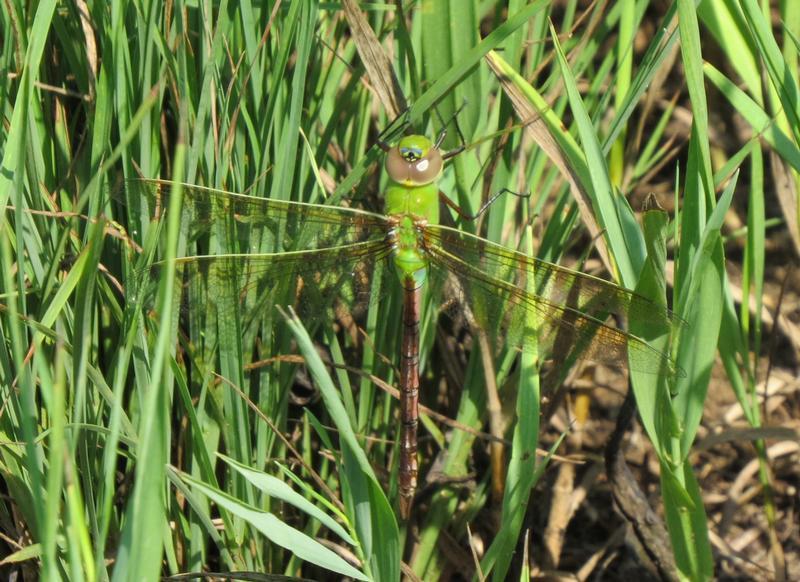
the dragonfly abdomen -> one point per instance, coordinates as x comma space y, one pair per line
409, 395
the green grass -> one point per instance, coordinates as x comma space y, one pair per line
115, 421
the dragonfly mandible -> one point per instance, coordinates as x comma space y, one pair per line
327, 254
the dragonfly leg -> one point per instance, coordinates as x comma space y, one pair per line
484, 207
443, 133
385, 136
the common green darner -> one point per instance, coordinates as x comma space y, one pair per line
320, 255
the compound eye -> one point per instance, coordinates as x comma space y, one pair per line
414, 161
396, 166
427, 169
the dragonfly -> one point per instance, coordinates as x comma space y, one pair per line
317, 257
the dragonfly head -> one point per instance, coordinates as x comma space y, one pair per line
414, 161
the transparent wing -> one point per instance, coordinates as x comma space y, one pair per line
315, 283
242, 223
523, 302
261, 251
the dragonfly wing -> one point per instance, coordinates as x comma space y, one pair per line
556, 284
315, 283
265, 251
523, 302
219, 222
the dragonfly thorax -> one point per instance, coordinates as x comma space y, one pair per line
411, 264
414, 165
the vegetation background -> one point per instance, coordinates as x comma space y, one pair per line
131, 450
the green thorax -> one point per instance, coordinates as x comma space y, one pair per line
413, 165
